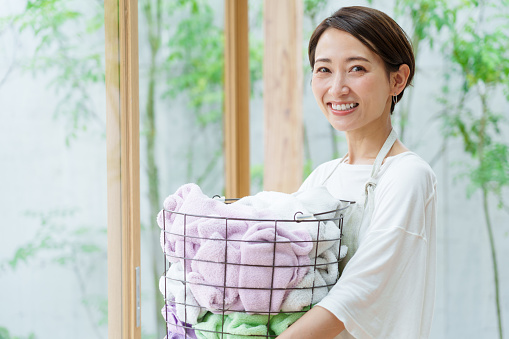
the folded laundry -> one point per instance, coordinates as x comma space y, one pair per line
281, 321
210, 274
317, 282
177, 329
312, 202
264, 266
303, 294
269, 269
218, 272
175, 288
184, 232
234, 326
249, 256
324, 232
239, 325
315, 200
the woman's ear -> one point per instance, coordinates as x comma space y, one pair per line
399, 78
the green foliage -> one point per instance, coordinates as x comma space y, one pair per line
100, 306
56, 241
481, 138
312, 8
195, 63
69, 47
61, 242
45, 18
481, 56
4, 334
257, 177
428, 17
255, 62
493, 171
308, 168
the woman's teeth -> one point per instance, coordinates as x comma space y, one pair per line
343, 107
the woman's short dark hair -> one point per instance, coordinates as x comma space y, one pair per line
375, 29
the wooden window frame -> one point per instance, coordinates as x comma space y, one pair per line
123, 166
236, 99
283, 91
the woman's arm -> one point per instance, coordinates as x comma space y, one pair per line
316, 323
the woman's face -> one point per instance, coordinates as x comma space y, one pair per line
350, 83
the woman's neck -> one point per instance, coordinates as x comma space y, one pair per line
364, 145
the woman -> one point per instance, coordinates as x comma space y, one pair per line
362, 61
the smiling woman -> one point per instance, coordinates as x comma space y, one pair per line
362, 61
350, 82
368, 27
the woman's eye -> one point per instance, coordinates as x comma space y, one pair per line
358, 69
322, 70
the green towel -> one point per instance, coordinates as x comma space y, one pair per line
281, 321
237, 325
240, 325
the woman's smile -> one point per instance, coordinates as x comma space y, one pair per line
342, 108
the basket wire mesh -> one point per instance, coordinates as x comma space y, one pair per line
180, 328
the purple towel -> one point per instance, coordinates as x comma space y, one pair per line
207, 241
285, 264
208, 278
177, 329
189, 199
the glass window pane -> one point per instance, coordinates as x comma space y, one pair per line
53, 173
181, 109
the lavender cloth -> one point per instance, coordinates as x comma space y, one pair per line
289, 257
177, 329
210, 241
189, 199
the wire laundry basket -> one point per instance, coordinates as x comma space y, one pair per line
262, 313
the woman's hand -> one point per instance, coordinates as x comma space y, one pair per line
316, 323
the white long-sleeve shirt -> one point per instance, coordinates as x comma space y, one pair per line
387, 288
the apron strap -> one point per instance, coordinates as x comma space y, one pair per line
369, 202
389, 142
369, 199
391, 139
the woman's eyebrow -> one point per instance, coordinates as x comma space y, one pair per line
357, 58
352, 58
327, 60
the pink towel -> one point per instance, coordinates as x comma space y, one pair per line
205, 252
207, 279
287, 262
190, 232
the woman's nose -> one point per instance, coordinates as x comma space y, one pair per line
339, 86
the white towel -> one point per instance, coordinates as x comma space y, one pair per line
182, 294
325, 276
309, 202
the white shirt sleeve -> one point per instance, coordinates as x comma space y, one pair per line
387, 289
